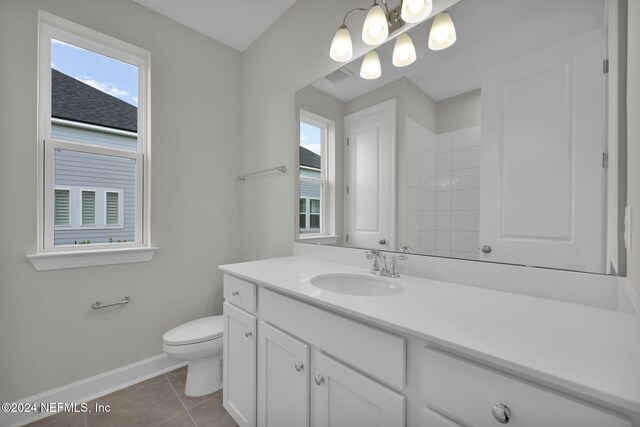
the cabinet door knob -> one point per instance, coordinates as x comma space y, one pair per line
299, 366
248, 333
319, 379
501, 413
486, 249
383, 241
235, 293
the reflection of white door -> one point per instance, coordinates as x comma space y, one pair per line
543, 137
370, 177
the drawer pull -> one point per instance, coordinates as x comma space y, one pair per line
235, 293
319, 379
501, 413
299, 366
248, 333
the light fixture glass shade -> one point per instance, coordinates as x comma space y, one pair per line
415, 10
376, 26
370, 68
341, 46
443, 32
404, 52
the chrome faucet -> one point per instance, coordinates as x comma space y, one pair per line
379, 266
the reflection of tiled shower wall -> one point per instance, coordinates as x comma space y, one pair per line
458, 193
420, 168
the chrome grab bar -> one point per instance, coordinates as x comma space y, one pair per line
98, 304
281, 169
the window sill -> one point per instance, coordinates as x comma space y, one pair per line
77, 259
320, 239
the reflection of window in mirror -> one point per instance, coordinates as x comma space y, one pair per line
316, 136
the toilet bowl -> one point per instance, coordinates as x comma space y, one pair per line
200, 343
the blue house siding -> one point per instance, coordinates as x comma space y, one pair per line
77, 171
309, 191
95, 137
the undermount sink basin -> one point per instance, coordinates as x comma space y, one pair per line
356, 284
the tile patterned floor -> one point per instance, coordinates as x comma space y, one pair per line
159, 401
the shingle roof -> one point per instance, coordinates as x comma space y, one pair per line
309, 158
74, 100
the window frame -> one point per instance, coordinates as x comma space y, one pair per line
52, 27
325, 125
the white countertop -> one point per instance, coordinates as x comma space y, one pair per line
588, 350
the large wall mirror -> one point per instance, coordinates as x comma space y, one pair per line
502, 148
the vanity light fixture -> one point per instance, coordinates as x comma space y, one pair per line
370, 68
443, 32
404, 52
380, 22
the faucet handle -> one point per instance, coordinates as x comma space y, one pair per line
371, 253
393, 269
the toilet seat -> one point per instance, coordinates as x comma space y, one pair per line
196, 331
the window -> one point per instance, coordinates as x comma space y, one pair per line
62, 207
313, 173
93, 142
112, 204
310, 215
88, 208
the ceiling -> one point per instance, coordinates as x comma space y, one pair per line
236, 23
490, 32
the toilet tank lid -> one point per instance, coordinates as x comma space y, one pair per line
199, 330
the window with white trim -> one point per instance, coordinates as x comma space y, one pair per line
93, 141
314, 165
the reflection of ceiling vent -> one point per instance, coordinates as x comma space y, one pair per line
339, 75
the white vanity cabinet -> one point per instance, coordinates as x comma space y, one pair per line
239, 352
343, 397
482, 397
289, 363
310, 367
283, 379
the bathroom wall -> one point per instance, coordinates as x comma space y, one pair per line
420, 181
458, 193
50, 336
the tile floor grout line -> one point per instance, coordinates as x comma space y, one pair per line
176, 393
180, 400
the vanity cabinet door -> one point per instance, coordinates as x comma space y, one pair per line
342, 397
283, 379
239, 355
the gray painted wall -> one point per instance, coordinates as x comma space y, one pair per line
49, 335
459, 112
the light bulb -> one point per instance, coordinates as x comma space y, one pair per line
376, 26
443, 32
415, 10
370, 68
341, 46
404, 52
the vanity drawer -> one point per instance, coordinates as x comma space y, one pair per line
240, 293
468, 392
378, 353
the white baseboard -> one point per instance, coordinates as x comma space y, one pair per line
94, 387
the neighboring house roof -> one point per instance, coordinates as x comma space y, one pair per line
309, 158
74, 100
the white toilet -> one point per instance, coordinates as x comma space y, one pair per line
199, 342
